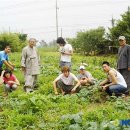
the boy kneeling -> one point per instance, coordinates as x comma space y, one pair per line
65, 82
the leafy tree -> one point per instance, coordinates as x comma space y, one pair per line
122, 27
89, 41
11, 39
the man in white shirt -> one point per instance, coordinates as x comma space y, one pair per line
66, 52
114, 83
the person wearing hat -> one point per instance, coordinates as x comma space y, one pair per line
123, 63
66, 52
85, 77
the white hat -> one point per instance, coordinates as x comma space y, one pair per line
82, 67
121, 38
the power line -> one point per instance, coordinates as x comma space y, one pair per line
22, 4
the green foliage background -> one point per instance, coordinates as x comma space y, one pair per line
16, 41
42, 110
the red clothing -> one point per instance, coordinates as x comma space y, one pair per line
11, 78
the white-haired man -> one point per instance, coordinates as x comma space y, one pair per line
30, 65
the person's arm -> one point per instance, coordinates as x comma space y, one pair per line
11, 63
104, 82
128, 53
5, 60
1, 78
68, 53
23, 60
54, 85
38, 56
113, 78
90, 77
8, 65
14, 82
17, 82
77, 84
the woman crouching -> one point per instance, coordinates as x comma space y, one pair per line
9, 80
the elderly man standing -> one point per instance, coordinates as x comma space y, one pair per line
30, 65
123, 64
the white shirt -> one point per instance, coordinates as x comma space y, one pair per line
119, 78
67, 80
85, 75
67, 48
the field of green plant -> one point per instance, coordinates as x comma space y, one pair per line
90, 109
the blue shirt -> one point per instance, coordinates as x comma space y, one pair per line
3, 57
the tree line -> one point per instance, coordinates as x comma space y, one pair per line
16, 41
100, 41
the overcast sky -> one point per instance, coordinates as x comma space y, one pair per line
37, 18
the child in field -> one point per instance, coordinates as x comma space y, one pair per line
85, 77
65, 82
9, 80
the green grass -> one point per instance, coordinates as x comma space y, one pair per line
42, 110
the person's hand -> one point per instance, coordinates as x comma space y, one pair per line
129, 68
10, 82
62, 52
56, 93
24, 69
13, 65
12, 68
84, 78
73, 90
104, 87
101, 84
3, 72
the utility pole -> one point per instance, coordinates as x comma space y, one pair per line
22, 31
113, 22
56, 20
61, 32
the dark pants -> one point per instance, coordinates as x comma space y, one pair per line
126, 74
117, 89
62, 64
1, 71
66, 88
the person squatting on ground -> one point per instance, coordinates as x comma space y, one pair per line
115, 83
123, 64
65, 82
4, 58
66, 52
10, 81
85, 77
30, 65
